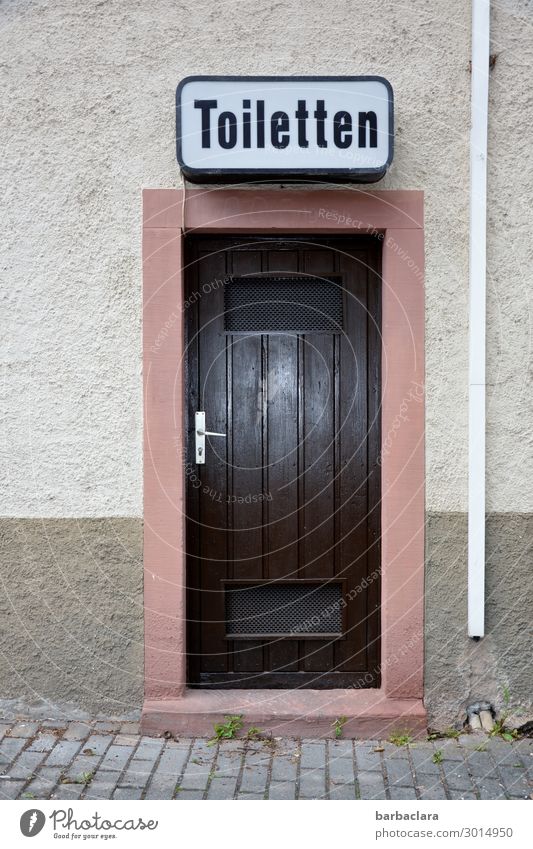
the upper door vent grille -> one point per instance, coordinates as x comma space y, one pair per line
283, 305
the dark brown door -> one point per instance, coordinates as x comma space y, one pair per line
283, 517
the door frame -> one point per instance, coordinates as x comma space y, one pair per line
396, 217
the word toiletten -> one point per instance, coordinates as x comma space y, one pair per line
283, 126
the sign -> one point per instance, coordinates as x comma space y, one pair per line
283, 128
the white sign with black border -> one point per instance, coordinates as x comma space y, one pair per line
284, 128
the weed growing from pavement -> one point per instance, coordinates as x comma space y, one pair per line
226, 730
401, 738
254, 733
338, 725
447, 734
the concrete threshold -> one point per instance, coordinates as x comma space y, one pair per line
286, 713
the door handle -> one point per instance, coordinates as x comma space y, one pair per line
200, 435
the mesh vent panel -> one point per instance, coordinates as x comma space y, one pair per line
281, 304
283, 609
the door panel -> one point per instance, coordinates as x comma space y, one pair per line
285, 510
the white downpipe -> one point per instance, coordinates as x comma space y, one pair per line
477, 317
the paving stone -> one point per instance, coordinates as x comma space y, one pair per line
161, 787
103, 785
107, 726
43, 743
172, 761
232, 747
10, 789
196, 776
251, 797
57, 724
462, 794
524, 746
228, 765
24, 729
502, 752
340, 748
402, 793
366, 759
450, 750
515, 781
98, 743
190, 795
63, 752
528, 764
457, 775
77, 731
137, 774
341, 770
125, 740
177, 744
258, 756
490, 788
68, 791
254, 780
313, 755
10, 748
284, 769
116, 757
399, 773
127, 793
312, 784
4, 728
222, 788
25, 765
150, 750
371, 785
44, 782
285, 747
282, 790
130, 728
432, 791
423, 761
394, 752
342, 791
81, 764
480, 763
202, 751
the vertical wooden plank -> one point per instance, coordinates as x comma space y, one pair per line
318, 543
210, 478
246, 434
281, 462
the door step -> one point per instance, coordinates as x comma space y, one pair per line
286, 713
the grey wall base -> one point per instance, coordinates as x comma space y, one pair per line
459, 670
71, 616
71, 613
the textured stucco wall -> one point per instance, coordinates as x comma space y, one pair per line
88, 112
89, 96
88, 118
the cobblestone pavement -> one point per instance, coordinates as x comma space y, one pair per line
110, 760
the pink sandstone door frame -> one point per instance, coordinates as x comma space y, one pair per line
397, 217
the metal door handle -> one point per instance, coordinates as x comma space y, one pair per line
200, 435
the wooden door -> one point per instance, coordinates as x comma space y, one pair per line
283, 518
